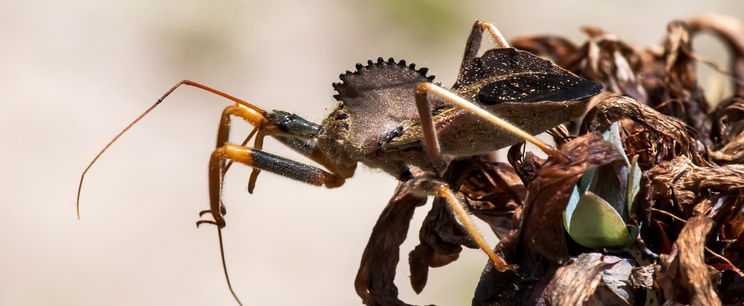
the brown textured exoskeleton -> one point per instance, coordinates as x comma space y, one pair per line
391, 116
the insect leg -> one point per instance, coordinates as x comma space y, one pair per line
433, 149
498, 262
430, 135
474, 41
256, 115
261, 160
476, 36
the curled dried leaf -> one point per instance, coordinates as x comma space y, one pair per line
541, 231
592, 279
687, 184
560, 50
732, 152
441, 237
684, 277
727, 132
374, 280
674, 138
525, 164
496, 194
731, 31
607, 59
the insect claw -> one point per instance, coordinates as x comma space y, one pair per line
219, 224
203, 212
200, 222
252, 180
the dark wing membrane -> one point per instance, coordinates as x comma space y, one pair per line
511, 75
537, 87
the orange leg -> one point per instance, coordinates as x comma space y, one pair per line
254, 113
259, 160
454, 203
432, 145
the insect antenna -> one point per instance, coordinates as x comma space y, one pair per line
82, 176
256, 110
147, 111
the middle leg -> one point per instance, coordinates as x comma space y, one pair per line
432, 146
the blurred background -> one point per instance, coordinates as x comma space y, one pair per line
73, 73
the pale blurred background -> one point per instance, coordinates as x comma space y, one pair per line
73, 73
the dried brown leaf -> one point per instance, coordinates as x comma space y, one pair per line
687, 184
607, 59
441, 237
496, 194
541, 230
494, 189
592, 279
732, 152
671, 81
731, 31
684, 277
558, 49
727, 132
526, 165
674, 138
728, 121
374, 280
643, 277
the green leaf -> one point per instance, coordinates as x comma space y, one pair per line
613, 136
571, 206
594, 223
634, 182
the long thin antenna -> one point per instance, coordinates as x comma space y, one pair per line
165, 95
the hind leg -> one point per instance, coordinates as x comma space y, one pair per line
474, 42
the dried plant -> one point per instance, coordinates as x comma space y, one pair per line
653, 163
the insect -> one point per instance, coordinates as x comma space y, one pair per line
393, 117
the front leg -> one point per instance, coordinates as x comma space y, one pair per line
259, 160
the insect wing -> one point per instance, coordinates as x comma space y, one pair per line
510, 75
537, 87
